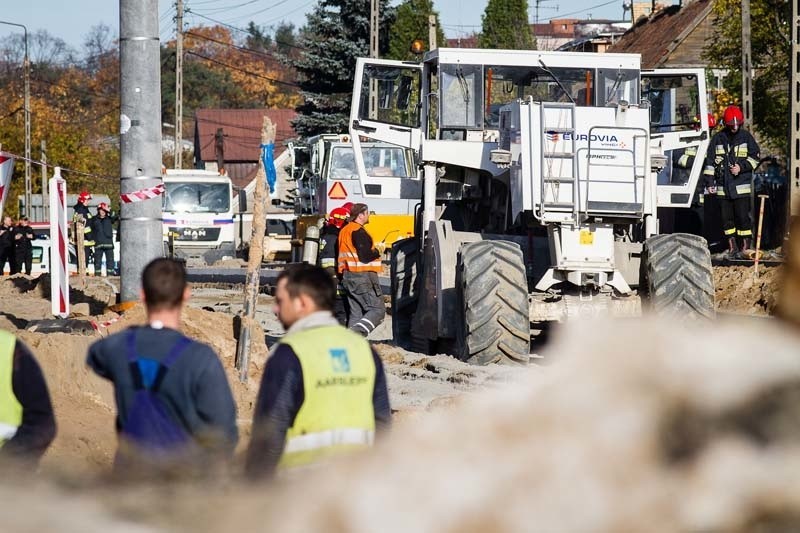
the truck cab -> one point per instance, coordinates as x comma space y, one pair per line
198, 216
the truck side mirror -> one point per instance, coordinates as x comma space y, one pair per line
242, 200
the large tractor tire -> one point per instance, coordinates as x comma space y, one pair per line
679, 278
405, 288
496, 324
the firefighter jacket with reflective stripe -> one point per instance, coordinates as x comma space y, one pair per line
727, 149
80, 209
356, 253
328, 248
337, 413
10, 408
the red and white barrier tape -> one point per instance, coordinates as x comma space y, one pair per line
102, 325
141, 195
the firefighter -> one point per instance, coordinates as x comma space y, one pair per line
103, 235
81, 209
359, 265
691, 220
731, 159
328, 253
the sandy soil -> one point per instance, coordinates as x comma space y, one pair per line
587, 443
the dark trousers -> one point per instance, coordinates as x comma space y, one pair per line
341, 310
735, 214
365, 299
24, 257
7, 255
98, 259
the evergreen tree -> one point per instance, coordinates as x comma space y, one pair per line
505, 25
411, 23
336, 33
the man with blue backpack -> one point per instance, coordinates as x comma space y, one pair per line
175, 410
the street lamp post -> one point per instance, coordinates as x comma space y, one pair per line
26, 67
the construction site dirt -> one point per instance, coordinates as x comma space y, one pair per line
473, 448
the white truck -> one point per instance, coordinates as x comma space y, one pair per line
198, 216
543, 172
387, 182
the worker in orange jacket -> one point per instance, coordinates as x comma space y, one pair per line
359, 264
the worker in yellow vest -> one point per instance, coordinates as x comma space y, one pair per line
323, 392
359, 266
27, 424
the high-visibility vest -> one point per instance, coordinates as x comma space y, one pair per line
348, 255
10, 408
337, 415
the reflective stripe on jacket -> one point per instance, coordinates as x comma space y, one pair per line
337, 414
10, 408
348, 255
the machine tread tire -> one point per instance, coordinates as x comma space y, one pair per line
680, 280
496, 324
405, 288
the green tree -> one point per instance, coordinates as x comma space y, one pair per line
335, 34
411, 23
505, 25
771, 48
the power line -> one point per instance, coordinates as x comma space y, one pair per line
562, 15
254, 74
242, 48
248, 32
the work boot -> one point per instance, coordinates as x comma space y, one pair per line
733, 248
747, 248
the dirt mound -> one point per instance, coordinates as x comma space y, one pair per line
739, 291
685, 433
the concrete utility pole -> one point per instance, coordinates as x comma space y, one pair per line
45, 192
140, 140
747, 67
26, 74
374, 30
179, 85
252, 278
794, 118
432, 32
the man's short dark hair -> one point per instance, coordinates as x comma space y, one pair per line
163, 283
312, 281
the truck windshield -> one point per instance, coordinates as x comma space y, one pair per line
193, 197
380, 161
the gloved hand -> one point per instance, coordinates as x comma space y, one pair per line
380, 247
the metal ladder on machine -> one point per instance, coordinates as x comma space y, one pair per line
558, 209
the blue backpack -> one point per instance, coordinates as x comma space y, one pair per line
149, 426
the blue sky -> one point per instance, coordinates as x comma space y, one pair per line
71, 21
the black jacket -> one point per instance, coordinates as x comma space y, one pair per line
38, 428
6, 237
102, 230
328, 248
25, 241
726, 149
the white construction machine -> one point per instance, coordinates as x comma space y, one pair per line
542, 176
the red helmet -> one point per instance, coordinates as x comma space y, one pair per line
103, 206
347, 207
338, 216
733, 116
84, 197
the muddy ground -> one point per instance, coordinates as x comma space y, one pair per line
537, 442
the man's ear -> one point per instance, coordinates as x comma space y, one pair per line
187, 293
141, 295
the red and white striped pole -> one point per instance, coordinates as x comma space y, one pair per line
59, 254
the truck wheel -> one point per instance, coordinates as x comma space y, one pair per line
496, 325
405, 289
679, 278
